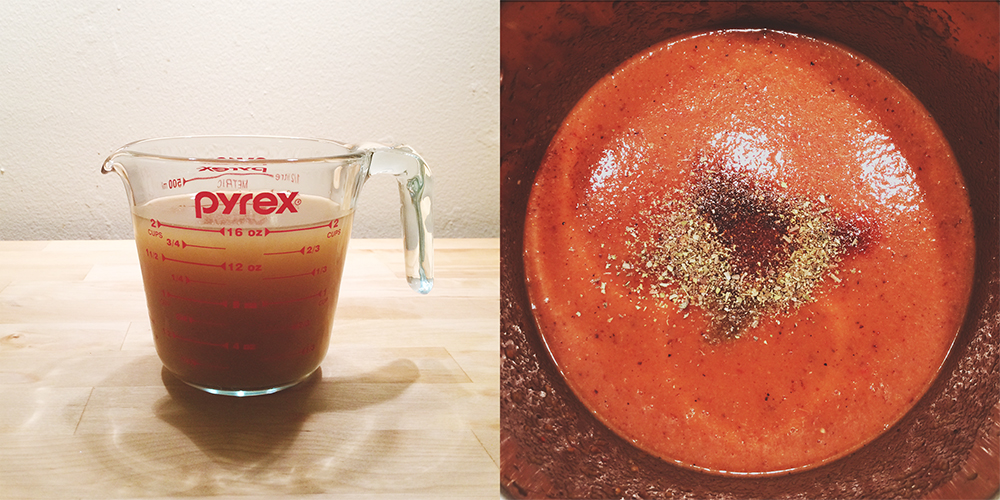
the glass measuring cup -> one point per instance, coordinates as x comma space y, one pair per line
242, 241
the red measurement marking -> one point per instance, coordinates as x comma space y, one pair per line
301, 251
223, 265
327, 225
190, 320
306, 250
314, 272
186, 280
294, 326
227, 174
234, 346
172, 296
194, 362
245, 305
174, 335
321, 293
185, 244
156, 223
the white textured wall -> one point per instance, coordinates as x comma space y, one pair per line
79, 79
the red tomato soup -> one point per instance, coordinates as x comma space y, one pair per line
748, 251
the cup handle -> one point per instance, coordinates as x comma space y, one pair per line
415, 189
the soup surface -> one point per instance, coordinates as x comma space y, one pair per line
748, 251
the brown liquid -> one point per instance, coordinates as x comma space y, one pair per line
241, 302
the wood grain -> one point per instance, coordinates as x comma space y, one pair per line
405, 404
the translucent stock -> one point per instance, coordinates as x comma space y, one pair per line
242, 242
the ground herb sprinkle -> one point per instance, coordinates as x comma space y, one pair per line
736, 247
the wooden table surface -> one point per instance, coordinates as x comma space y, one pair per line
406, 405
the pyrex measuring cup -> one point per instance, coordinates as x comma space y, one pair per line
242, 241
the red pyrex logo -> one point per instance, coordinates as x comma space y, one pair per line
234, 169
263, 203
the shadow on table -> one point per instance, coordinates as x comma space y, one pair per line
321, 436
255, 431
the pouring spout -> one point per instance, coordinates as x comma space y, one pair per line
112, 165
